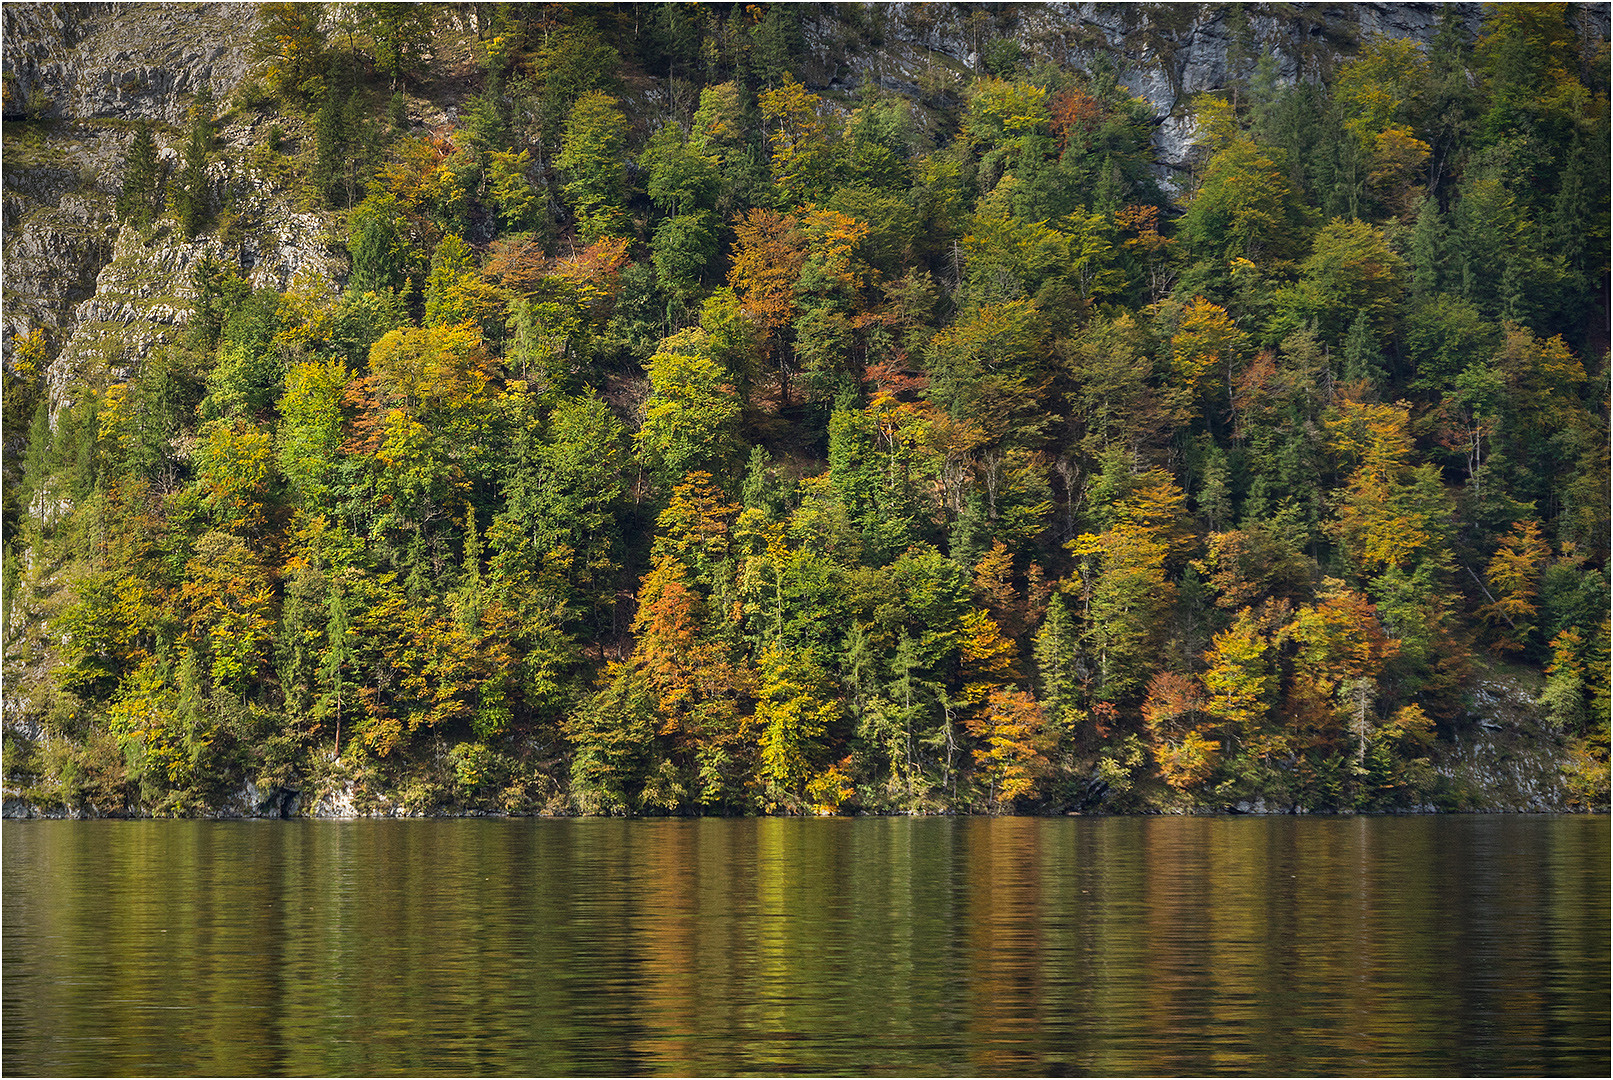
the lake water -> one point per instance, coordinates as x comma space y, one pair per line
1273, 946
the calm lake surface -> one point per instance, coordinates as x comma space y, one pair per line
1274, 946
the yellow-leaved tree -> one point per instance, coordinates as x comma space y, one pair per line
1514, 573
795, 705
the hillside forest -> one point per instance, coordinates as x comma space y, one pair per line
686, 439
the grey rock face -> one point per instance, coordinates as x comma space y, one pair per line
106, 297
271, 802
57, 238
124, 61
142, 296
58, 224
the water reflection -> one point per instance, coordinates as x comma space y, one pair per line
941, 946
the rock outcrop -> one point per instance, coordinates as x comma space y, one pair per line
76, 78
122, 61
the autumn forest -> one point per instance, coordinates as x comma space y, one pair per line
689, 435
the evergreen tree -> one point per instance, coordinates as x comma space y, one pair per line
191, 202
1363, 359
341, 136
330, 147
1428, 250
142, 178
488, 121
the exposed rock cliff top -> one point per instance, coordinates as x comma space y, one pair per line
123, 61
82, 74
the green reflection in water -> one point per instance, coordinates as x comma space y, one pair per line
936, 946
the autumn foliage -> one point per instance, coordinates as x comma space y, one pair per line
665, 432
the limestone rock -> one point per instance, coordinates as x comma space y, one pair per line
91, 69
129, 61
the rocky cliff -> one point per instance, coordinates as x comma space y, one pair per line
121, 61
1163, 53
76, 79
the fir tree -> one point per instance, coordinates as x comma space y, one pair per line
142, 175
190, 189
1363, 360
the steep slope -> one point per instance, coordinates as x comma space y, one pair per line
1142, 424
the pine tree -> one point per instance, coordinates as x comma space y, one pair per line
137, 202
190, 189
1363, 360
330, 146
1215, 491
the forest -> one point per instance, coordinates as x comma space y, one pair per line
688, 439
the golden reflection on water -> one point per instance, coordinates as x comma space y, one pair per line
937, 946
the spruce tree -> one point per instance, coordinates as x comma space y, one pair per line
137, 202
487, 120
330, 145
1569, 231
190, 189
359, 150
1363, 359
1428, 256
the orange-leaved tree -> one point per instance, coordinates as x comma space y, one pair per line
1342, 650
687, 643
1175, 715
1015, 740
769, 253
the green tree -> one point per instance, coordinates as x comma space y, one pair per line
682, 248
1241, 205
310, 434
142, 180
591, 161
292, 42
1351, 272
681, 179
402, 35
192, 189
510, 183
691, 418
381, 252
562, 493
613, 745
